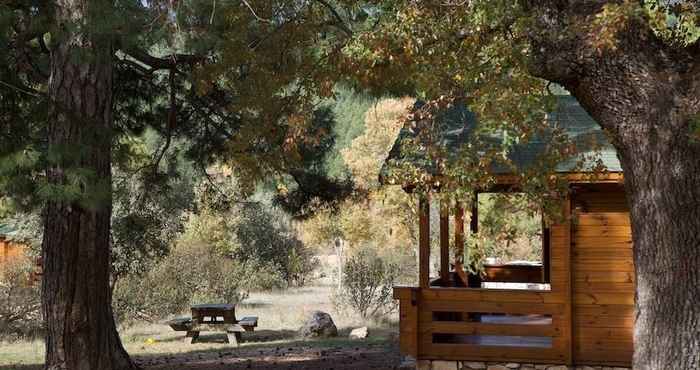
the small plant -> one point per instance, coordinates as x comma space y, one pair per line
20, 303
367, 285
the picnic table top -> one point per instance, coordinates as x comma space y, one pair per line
214, 306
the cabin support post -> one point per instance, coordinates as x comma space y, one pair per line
474, 221
444, 241
424, 241
459, 232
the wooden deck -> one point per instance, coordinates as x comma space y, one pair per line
483, 324
578, 308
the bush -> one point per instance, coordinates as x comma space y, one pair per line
367, 285
20, 300
254, 234
191, 274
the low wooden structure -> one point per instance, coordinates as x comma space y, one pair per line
586, 315
214, 318
9, 250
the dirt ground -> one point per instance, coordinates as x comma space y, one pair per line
275, 344
295, 356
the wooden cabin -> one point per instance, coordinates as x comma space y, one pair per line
9, 250
576, 308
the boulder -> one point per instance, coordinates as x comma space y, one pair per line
319, 324
359, 333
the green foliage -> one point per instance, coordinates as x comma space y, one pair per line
149, 206
191, 274
510, 228
20, 314
349, 109
252, 232
367, 289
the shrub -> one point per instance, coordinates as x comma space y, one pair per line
368, 282
191, 274
254, 234
20, 302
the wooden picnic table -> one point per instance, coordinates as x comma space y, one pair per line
214, 318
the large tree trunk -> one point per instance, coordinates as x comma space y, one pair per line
662, 178
81, 333
645, 93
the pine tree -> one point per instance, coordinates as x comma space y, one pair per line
237, 80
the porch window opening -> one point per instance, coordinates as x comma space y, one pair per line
493, 340
509, 243
492, 318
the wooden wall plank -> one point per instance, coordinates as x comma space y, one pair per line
604, 219
603, 279
408, 320
491, 353
491, 307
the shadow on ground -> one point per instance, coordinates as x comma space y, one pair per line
336, 354
20, 367
248, 337
267, 349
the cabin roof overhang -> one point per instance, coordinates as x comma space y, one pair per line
410, 165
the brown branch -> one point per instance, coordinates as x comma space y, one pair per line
172, 121
341, 23
171, 61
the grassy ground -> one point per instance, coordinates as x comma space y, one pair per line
274, 343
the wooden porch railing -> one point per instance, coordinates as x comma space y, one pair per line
483, 325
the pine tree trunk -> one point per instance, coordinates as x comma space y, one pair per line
81, 332
662, 178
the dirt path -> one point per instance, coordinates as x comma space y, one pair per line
305, 356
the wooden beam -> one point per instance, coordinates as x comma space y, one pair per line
546, 253
444, 241
424, 241
459, 232
474, 222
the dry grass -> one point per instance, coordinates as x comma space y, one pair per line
280, 316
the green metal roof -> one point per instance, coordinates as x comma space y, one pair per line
6, 230
456, 130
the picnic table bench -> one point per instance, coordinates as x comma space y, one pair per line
214, 318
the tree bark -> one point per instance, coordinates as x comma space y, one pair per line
81, 332
644, 93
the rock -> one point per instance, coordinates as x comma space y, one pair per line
320, 324
584, 368
474, 365
558, 367
423, 365
407, 363
445, 365
359, 333
496, 367
513, 365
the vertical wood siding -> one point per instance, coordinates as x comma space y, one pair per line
603, 277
